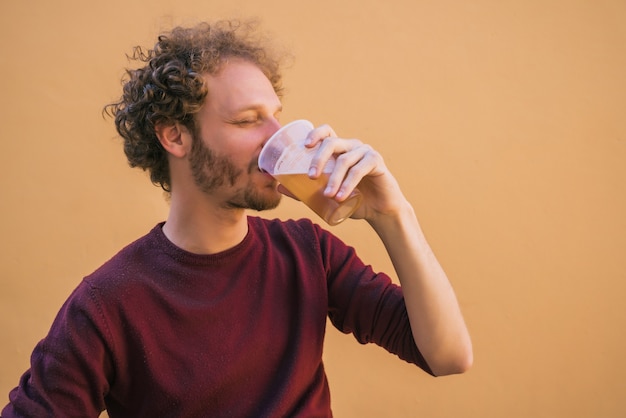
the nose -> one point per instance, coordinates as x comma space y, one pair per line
273, 125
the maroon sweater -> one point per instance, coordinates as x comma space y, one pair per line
161, 332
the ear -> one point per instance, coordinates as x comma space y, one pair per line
174, 138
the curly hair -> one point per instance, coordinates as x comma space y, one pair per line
169, 88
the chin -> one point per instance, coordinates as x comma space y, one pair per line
272, 203
264, 199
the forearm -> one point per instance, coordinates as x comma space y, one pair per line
436, 320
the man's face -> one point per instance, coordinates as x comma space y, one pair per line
240, 113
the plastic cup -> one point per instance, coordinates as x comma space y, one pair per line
285, 158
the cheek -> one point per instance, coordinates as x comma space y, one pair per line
240, 146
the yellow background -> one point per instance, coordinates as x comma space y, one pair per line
504, 121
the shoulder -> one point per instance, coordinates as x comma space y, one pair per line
301, 233
289, 230
126, 265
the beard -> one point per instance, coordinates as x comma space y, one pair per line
211, 172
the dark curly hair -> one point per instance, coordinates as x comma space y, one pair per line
169, 88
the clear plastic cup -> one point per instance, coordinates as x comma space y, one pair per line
286, 158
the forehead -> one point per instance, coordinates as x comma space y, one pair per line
239, 84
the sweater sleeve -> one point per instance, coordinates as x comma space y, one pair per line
367, 304
70, 367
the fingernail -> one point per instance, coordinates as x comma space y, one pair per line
312, 171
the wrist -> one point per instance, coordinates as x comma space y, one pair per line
401, 218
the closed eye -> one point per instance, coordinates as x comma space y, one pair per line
244, 122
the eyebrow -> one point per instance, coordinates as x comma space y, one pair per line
256, 107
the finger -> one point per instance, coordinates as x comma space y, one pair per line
332, 146
350, 169
319, 134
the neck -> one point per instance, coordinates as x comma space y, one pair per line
198, 226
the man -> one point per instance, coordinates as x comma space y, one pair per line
217, 313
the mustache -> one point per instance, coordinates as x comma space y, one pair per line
253, 166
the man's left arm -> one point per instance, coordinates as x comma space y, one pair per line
434, 313
436, 321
